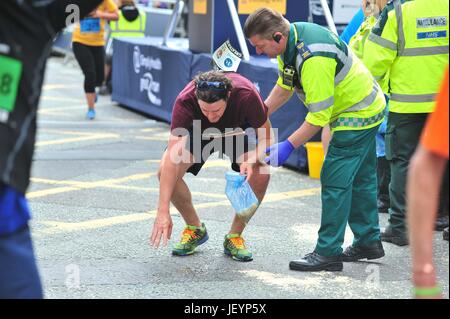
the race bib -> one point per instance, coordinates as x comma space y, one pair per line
10, 73
90, 25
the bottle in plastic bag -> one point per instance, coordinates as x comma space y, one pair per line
241, 195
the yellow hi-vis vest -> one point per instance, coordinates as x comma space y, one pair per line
123, 28
410, 40
357, 44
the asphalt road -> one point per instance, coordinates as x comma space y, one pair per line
94, 193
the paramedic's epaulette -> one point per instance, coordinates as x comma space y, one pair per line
303, 50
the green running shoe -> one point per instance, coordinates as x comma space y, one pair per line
191, 237
234, 246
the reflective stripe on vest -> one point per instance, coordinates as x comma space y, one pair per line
382, 42
346, 60
400, 32
426, 51
412, 98
319, 106
367, 101
300, 94
364, 103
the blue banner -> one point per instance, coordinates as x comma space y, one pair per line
148, 77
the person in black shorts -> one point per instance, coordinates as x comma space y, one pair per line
211, 114
88, 41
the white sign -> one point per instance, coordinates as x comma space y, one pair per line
146, 62
147, 82
227, 58
344, 10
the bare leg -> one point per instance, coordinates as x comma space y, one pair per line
90, 97
182, 200
259, 182
107, 72
181, 197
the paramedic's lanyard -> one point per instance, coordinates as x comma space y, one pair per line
288, 70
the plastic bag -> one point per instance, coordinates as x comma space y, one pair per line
241, 195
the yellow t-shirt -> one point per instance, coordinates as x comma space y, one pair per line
91, 31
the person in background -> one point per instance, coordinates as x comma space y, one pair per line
424, 175
409, 48
131, 23
88, 40
353, 26
357, 35
27, 30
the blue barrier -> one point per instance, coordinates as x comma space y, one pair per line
147, 76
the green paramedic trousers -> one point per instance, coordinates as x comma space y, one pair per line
349, 191
402, 137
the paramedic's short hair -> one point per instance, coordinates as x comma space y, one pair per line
264, 22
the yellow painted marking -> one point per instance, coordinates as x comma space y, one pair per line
160, 135
74, 185
78, 139
62, 110
84, 185
54, 113
52, 191
151, 138
65, 99
134, 177
217, 163
76, 133
153, 161
59, 86
58, 227
275, 197
152, 129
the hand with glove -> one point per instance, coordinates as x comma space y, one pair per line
279, 153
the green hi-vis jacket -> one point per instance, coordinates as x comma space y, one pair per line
331, 81
410, 41
124, 28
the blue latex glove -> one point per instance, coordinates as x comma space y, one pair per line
279, 153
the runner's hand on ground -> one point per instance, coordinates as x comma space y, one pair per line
162, 228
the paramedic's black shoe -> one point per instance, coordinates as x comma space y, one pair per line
396, 238
441, 223
383, 206
316, 262
373, 250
